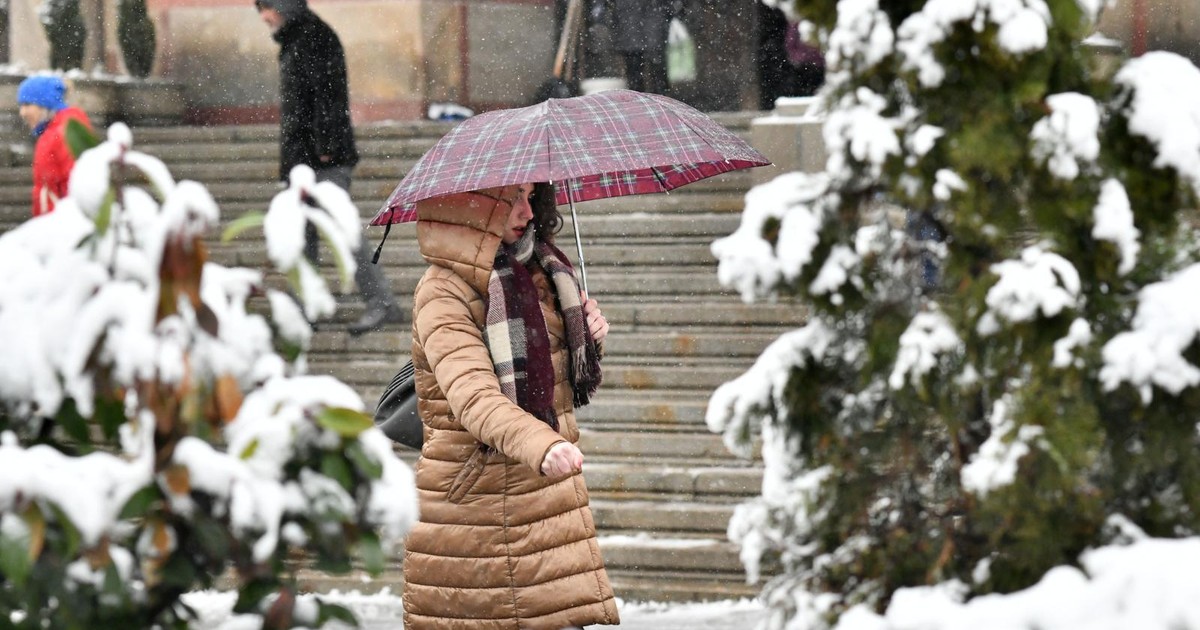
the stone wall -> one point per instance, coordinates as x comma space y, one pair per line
401, 54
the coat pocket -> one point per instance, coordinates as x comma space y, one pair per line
467, 477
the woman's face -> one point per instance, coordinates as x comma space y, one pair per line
520, 216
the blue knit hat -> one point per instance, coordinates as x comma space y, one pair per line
43, 89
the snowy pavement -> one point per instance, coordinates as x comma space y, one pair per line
730, 615
384, 612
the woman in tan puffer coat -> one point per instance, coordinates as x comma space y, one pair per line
503, 353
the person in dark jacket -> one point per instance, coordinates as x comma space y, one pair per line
640, 36
315, 130
41, 101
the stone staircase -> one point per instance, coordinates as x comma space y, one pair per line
663, 487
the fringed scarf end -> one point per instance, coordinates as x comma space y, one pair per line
588, 374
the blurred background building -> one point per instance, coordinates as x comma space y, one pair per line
405, 54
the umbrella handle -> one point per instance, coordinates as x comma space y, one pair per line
578, 241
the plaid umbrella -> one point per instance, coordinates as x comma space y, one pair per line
607, 144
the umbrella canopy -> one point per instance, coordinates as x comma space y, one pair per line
607, 144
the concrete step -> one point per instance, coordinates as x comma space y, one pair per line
605, 282
618, 376
624, 346
630, 313
268, 170
722, 481
649, 552
679, 448
661, 516
252, 253
673, 587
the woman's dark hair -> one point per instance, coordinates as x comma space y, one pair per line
547, 220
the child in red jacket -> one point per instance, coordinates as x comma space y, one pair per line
43, 107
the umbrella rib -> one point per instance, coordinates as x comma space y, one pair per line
661, 180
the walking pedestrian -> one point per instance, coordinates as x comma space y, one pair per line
42, 104
315, 130
505, 347
640, 36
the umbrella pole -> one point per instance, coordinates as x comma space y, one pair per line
578, 242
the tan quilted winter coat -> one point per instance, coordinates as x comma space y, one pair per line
498, 545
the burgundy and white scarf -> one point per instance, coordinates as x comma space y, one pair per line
515, 330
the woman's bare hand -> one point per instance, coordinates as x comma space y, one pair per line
562, 459
597, 324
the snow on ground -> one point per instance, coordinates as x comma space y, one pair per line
1151, 584
385, 610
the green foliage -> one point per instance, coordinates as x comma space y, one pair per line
177, 532
135, 32
241, 224
65, 32
80, 138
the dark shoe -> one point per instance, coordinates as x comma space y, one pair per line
375, 317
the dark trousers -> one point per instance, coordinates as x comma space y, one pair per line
373, 285
646, 71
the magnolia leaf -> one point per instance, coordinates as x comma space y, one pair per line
208, 320
372, 553
228, 396
179, 572
252, 593
80, 137
335, 467
367, 466
345, 273
104, 214
70, 533
37, 531
140, 503
160, 538
73, 423
241, 224
15, 563
328, 612
110, 412
345, 422
178, 480
250, 449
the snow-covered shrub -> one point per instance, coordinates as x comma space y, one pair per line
152, 437
1002, 350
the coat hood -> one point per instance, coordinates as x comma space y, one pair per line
462, 232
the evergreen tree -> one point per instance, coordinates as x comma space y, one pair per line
1000, 365
135, 31
65, 33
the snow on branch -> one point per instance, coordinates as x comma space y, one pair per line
1166, 324
1165, 109
1022, 28
863, 35
759, 392
1039, 283
1067, 140
857, 129
754, 265
995, 464
1113, 218
928, 335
